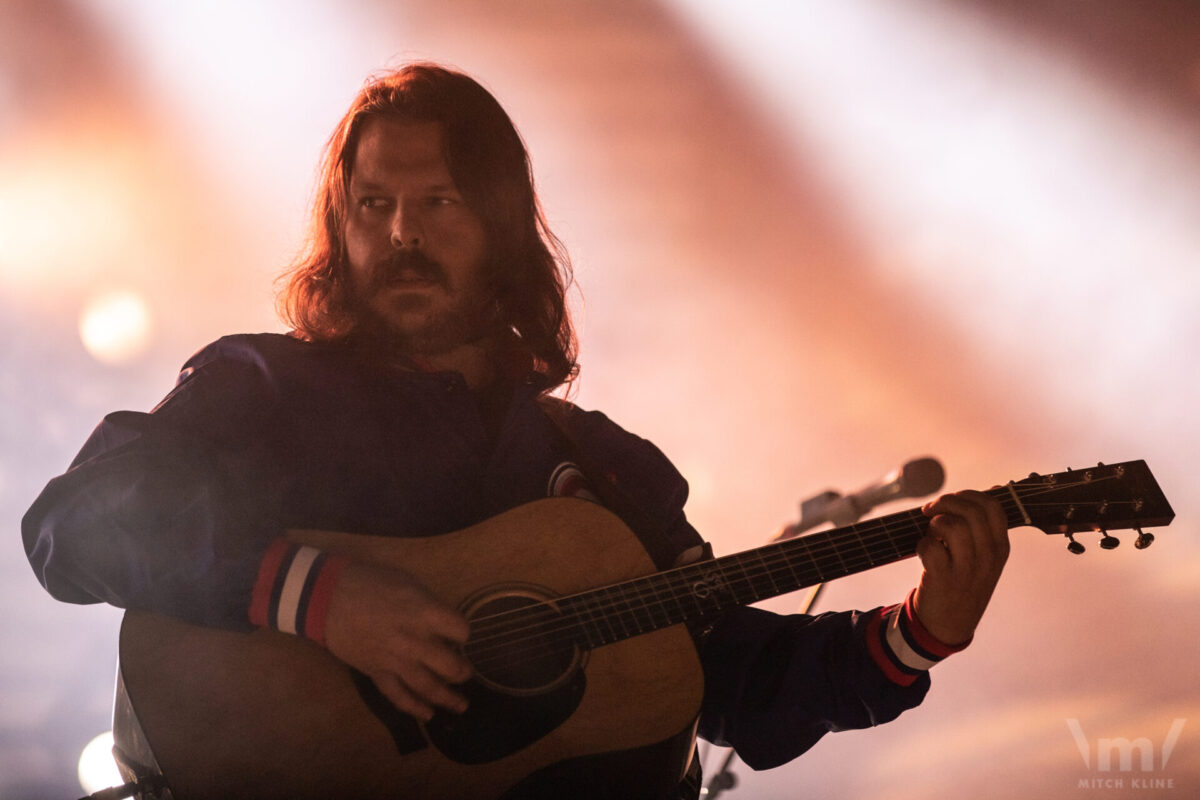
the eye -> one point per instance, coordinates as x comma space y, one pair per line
373, 202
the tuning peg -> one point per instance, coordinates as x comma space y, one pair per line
1143, 540
1075, 547
1108, 542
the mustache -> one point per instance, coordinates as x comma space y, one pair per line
408, 264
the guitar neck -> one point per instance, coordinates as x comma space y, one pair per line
1113, 497
638, 606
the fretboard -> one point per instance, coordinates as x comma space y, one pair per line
696, 591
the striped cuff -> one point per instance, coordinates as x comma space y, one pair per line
292, 591
900, 644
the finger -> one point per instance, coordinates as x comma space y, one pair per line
968, 505
449, 664
999, 523
954, 533
401, 697
426, 617
933, 554
981, 512
430, 689
994, 516
988, 528
989, 524
445, 622
439, 656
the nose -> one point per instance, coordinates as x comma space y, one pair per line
406, 229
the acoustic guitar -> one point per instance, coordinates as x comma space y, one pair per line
580, 646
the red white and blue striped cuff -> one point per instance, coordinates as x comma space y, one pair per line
901, 645
292, 591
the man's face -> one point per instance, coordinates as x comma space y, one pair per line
416, 251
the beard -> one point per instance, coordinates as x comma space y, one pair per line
419, 323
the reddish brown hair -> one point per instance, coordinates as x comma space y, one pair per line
530, 269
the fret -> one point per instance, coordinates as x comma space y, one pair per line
1013, 511
577, 630
802, 544
675, 590
887, 535
856, 530
623, 610
795, 581
692, 577
749, 595
759, 577
633, 604
770, 573
681, 587
608, 633
837, 551
656, 612
582, 620
824, 540
918, 525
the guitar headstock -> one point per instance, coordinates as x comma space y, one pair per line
1103, 498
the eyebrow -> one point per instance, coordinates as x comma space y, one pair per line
366, 185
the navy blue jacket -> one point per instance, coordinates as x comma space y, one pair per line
172, 511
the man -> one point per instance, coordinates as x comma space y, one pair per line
412, 399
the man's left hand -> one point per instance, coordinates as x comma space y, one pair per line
963, 554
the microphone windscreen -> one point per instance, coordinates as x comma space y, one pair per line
922, 476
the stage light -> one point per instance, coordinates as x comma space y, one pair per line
115, 326
67, 211
97, 768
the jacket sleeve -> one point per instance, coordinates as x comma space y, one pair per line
170, 511
775, 684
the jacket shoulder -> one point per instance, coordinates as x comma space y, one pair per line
258, 349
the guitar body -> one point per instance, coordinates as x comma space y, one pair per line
267, 714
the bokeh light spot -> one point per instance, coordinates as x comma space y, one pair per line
97, 768
115, 326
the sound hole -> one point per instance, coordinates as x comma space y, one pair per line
522, 653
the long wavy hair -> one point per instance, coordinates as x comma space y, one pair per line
530, 268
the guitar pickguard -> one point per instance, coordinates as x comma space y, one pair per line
498, 724
405, 731
495, 725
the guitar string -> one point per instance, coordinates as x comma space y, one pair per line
544, 620
625, 606
562, 629
824, 541
617, 606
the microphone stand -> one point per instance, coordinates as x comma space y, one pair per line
725, 779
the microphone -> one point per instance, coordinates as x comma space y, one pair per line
917, 478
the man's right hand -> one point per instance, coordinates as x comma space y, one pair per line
384, 623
